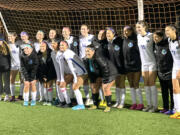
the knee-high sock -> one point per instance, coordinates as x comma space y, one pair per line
12, 88
101, 94
177, 102
33, 95
108, 100
71, 92
123, 95
78, 97
65, 94
37, 90
26, 96
139, 93
133, 95
154, 96
45, 94
148, 95
50, 94
41, 91
59, 94
118, 95
21, 89
86, 91
95, 98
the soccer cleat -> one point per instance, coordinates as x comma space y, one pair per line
49, 104
33, 103
163, 111
78, 107
26, 103
107, 109
20, 97
92, 107
133, 107
88, 102
139, 107
67, 105
6, 98
102, 103
147, 108
120, 106
61, 104
45, 103
116, 105
12, 99
170, 112
153, 110
175, 116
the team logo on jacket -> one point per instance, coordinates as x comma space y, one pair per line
130, 44
30, 62
116, 48
164, 52
148, 40
75, 44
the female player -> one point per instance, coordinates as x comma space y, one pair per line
15, 62
29, 66
164, 67
174, 47
132, 64
148, 67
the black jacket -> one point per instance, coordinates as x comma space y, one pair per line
46, 67
102, 67
29, 66
164, 59
132, 60
114, 52
5, 61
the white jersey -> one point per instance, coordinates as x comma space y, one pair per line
15, 60
37, 46
75, 64
174, 47
70, 41
83, 43
145, 44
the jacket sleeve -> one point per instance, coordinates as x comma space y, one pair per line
35, 67
23, 69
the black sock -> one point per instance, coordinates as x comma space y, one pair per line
108, 100
95, 98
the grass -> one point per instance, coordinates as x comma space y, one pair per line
44, 120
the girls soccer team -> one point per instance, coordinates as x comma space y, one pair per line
106, 61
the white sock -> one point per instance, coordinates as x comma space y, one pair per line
33, 95
118, 95
78, 97
45, 93
101, 94
154, 96
123, 95
133, 95
71, 91
49, 91
60, 95
86, 91
41, 91
64, 92
139, 93
12, 88
21, 89
37, 90
26, 96
148, 95
177, 102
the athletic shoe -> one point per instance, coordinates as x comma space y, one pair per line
175, 116
120, 106
163, 111
153, 110
49, 104
88, 102
102, 103
133, 106
107, 109
92, 107
139, 107
170, 112
6, 98
116, 105
26, 103
61, 104
12, 99
56, 102
44, 103
33, 103
147, 108
41, 100
78, 107
20, 97
67, 105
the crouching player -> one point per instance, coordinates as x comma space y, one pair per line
29, 65
101, 73
77, 73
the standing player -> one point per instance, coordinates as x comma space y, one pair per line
85, 39
52, 38
148, 68
174, 47
132, 64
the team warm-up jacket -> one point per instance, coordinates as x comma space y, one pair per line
164, 59
46, 67
114, 52
29, 66
132, 60
100, 66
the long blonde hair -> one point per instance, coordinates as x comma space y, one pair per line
4, 48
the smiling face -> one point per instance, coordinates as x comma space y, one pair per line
127, 32
140, 29
89, 53
170, 33
28, 50
24, 38
39, 35
54, 45
157, 38
63, 46
84, 30
52, 34
43, 47
66, 33
109, 35
100, 34
11, 38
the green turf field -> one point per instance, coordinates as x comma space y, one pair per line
16, 119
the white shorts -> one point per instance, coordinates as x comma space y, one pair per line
151, 67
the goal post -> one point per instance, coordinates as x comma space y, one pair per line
140, 10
